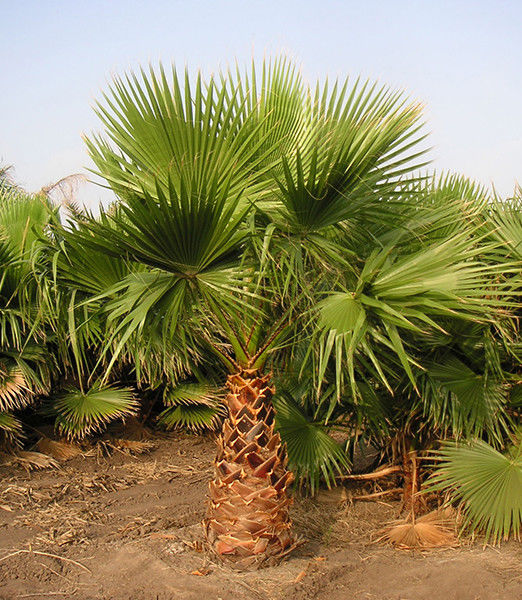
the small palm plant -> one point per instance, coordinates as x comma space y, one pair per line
262, 217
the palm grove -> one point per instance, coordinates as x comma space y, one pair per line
279, 266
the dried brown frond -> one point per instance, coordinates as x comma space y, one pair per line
34, 460
434, 530
14, 392
57, 450
132, 429
383, 471
133, 446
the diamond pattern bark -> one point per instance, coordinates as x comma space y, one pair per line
248, 521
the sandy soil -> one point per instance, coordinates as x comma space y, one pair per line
127, 527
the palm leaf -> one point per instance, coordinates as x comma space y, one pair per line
80, 413
313, 455
14, 392
398, 295
362, 139
10, 427
462, 401
195, 406
487, 484
506, 218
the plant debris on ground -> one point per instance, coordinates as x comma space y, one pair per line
125, 526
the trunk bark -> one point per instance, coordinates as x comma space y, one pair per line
247, 522
412, 501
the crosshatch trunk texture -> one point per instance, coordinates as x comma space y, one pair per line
248, 522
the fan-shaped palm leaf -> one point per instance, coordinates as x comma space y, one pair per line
10, 427
363, 138
506, 217
14, 392
488, 485
80, 413
398, 293
196, 406
313, 455
462, 401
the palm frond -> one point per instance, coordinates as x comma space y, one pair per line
398, 295
486, 483
10, 428
506, 218
14, 392
459, 400
158, 126
312, 454
195, 406
79, 413
363, 140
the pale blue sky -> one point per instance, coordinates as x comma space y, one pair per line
462, 59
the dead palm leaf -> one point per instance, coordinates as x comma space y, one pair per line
34, 460
13, 387
57, 450
434, 530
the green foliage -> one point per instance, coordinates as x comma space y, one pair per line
25, 360
397, 298
80, 413
10, 429
486, 483
265, 223
312, 454
195, 406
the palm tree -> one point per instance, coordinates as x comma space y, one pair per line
457, 366
271, 219
25, 362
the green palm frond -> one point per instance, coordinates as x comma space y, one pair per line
515, 396
196, 417
487, 484
506, 218
398, 295
363, 139
439, 204
195, 406
81, 413
466, 403
272, 100
91, 273
191, 245
158, 126
22, 219
312, 454
10, 428
187, 233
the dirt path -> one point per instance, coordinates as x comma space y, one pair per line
127, 528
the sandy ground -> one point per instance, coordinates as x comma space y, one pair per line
127, 527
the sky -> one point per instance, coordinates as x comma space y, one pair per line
461, 59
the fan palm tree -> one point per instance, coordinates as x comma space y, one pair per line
270, 217
25, 363
456, 377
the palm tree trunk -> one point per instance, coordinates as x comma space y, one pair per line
247, 522
412, 501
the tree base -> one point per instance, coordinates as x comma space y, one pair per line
248, 523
